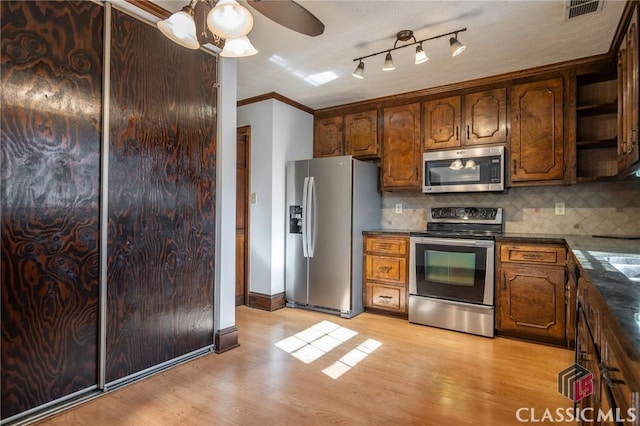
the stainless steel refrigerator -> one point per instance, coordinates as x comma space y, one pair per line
329, 202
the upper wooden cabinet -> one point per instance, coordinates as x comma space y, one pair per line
361, 134
352, 134
442, 123
401, 150
328, 137
485, 120
537, 139
628, 93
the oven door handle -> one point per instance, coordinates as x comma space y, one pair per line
453, 242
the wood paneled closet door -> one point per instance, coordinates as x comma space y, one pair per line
51, 78
162, 158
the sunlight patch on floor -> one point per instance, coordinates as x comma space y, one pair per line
312, 343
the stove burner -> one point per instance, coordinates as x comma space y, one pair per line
464, 222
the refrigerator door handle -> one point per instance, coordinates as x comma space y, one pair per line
312, 216
305, 217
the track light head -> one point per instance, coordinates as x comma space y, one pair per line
456, 47
359, 72
388, 63
421, 56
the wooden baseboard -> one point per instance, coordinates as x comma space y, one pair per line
226, 339
266, 302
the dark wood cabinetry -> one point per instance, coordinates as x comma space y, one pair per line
531, 292
328, 137
353, 134
628, 89
361, 134
401, 155
537, 137
485, 120
603, 349
386, 273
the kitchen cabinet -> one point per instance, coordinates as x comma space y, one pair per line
386, 273
485, 117
537, 138
361, 134
628, 94
531, 293
353, 134
328, 137
596, 126
603, 349
401, 149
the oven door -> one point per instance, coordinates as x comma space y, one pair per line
452, 269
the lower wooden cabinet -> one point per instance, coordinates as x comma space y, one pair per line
531, 292
386, 273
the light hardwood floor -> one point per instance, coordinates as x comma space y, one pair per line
417, 375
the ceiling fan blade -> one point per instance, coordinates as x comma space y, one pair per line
289, 14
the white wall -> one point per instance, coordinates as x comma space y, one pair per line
225, 269
279, 133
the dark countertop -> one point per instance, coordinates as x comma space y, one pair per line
621, 294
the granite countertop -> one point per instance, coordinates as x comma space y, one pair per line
621, 294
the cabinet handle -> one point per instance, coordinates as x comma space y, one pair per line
504, 283
457, 138
606, 377
632, 140
384, 269
514, 167
384, 297
468, 131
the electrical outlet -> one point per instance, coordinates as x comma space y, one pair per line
254, 198
398, 208
559, 209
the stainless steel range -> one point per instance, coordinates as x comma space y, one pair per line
451, 277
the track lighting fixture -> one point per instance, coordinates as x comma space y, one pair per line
456, 47
359, 72
227, 20
388, 63
420, 57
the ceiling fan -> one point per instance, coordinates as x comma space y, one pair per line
290, 15
287, 13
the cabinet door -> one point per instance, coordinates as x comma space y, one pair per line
442, 123
532, 302
537, 141
628, 95
486, 117
401, 147
361, 134
328, 137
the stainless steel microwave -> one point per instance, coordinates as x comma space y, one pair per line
464, 170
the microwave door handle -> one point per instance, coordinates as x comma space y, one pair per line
305, 215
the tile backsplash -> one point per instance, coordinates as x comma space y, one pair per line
601, 208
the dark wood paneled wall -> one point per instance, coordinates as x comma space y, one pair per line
161, 199
50, 173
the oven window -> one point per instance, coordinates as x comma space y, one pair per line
451, 272
450, 268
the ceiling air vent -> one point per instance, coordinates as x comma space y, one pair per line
577, 8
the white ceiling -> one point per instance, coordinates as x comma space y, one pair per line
501, 37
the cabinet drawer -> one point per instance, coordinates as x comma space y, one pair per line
387, 245
384, 268
387, 297
545, 254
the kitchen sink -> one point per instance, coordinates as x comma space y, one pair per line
629, 266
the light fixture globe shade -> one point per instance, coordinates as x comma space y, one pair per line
421, 57
359, 72
228, 19
238, 47
388, 63
180, 28
456, 47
